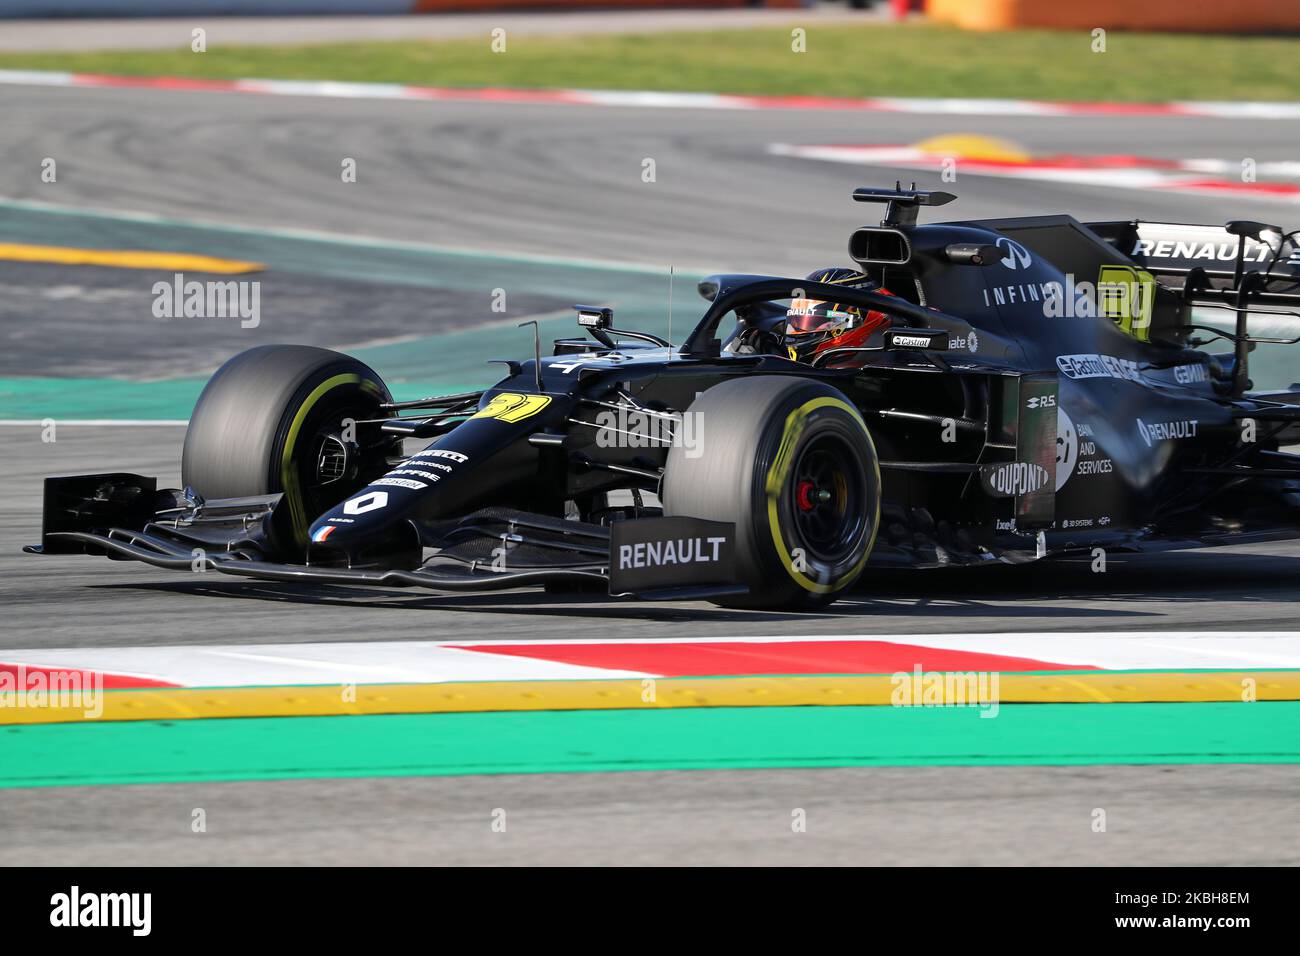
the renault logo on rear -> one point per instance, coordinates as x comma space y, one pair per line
1017, 255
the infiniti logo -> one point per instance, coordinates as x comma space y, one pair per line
1017, 255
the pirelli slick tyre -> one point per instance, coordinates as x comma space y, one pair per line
275, 419
790, 462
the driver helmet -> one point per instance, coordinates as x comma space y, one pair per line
814, 326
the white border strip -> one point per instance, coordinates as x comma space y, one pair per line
442, 661
94, 422
654, 99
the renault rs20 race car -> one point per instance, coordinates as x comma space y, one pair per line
1039, 386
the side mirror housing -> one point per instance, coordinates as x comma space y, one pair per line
594, 317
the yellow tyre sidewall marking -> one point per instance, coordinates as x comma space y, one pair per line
780, 471
288, 475
513, 407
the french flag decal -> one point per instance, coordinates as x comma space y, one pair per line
323, 533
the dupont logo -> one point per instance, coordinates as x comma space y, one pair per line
1014, 478
1167, 431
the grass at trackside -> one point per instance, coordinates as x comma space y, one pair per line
868, 60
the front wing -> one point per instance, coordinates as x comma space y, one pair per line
124, 516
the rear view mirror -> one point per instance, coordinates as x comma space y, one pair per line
592, 317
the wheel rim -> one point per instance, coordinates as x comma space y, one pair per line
322, 491
828, 499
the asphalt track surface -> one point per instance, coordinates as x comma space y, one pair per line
560, 180
565, 181
60, 304
69, 601
1174, 815
1224, 815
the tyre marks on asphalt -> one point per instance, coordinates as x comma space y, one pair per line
84, 342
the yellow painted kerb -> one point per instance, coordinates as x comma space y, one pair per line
126, 259
974, 146
1079, 687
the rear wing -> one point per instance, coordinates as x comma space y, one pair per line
1242, 265
1172, 251
1239, 265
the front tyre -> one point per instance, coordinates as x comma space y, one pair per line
791, 464
277, 419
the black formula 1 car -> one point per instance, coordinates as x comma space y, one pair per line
1040, 389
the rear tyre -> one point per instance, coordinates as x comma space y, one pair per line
790, 462
275, 419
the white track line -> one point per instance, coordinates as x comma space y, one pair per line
656, 99
94, 422
441, 661
1181, 176
275, 664
1289, 636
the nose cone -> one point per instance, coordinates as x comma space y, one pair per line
366, 531
370, 501
323, 529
